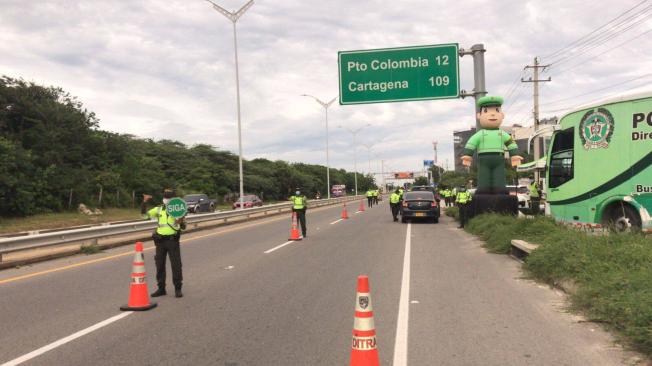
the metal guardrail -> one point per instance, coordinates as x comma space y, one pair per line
14, 244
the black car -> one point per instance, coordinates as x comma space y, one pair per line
419, 205
199, 203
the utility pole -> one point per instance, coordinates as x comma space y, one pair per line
535, 81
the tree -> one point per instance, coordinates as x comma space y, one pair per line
421, 181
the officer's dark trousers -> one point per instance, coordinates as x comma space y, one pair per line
301, 216
375, 200
370, 201
535, 202
464, 213
394, 207
168, 245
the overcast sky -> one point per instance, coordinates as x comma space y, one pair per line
165, 68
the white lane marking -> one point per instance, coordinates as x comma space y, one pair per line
65, 340
336, 221
357, 212
401, 342
279, 247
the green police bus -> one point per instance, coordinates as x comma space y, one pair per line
599, 165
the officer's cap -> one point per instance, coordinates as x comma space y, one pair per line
490, 100
168, 193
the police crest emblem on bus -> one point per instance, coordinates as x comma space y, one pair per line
596, 129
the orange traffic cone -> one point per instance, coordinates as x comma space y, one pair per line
345, 215
361, 209
138, 297
363, 347
294, 232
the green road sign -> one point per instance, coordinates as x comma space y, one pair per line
177, 207
399, 74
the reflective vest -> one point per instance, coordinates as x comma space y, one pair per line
534, 193
299, 202
166, 223
463, 197
400, 192
394, 198
375, 193
370, 194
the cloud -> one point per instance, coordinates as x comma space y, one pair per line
166, 69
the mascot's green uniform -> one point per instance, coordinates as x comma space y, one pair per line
491, 143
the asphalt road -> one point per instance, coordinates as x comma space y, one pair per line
295, 304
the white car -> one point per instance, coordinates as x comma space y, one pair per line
522, 193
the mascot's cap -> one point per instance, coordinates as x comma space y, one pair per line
489, 100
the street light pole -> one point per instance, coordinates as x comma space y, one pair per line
328, 166
233, 17
355, 153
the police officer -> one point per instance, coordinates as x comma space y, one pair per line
370, 198
300, 205
166, 239
394, 201
462, 199
535, 197
375, 196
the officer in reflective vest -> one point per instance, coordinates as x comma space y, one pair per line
375, 196
462, 199
394, 201
535, 197
370, 198
299, 205
166, 239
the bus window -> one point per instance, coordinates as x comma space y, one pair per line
561, 158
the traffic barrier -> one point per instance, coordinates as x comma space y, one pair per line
361, 209
363, 346
345, 215
138, 296
294, 232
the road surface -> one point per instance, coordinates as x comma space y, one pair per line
250, 300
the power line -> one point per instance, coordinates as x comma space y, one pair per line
582, 39
576, 104
604, 38
583, 62
598, 90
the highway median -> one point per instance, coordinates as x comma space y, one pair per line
608, 277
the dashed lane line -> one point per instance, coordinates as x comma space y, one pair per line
336, 221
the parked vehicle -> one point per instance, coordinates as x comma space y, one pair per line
248, 201
419, 205
338, 190
599, 165
522, 193
426, 189
199, 203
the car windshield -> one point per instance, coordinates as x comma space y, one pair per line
247, 198
411, 196
192, 197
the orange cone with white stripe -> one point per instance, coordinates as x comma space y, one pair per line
361, 209
294, 232
363, 346
138, 294
345, 215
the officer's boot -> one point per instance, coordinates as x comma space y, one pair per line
159, 292
177, 292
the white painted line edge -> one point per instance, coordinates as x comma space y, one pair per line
279, 246
336, 221
62, 341
401, 342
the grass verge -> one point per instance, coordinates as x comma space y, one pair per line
65, 219
612, 274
